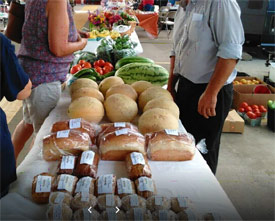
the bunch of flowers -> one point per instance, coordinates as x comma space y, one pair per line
97, 20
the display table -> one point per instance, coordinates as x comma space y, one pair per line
191, 178
92, 45
149, 22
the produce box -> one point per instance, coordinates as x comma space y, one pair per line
245, 94
233, 123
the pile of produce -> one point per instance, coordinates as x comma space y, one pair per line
246, 82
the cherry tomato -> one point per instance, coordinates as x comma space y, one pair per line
99, 70
106, 69
244, 104
108, 64
241, 109
262, 109
254, 106
75, 68
81, 62
251, 115
248, 108
101, 63
86, 65
96, 63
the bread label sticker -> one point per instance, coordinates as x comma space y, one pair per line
57, 212
59, 198
75, 123
111, 213
110, 200
182, 202
158, 201
119, 124
121, 132
105, 184
83, 185
43, 184
137, 158
124, 185
87, 157
86, 214
145, 184
163, 214
67, 163
138, 214
63, 134
134, 200
66, 182
172, 132
85, 197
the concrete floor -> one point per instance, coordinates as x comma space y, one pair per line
246, 168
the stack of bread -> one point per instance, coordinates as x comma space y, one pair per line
118, 139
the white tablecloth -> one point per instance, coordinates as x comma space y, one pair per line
191, 178
92, 45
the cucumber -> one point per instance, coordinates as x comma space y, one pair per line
132, 59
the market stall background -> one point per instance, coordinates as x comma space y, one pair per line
246, 189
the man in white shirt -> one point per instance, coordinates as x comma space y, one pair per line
207, 43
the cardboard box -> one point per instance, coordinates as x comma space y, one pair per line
233, 123
245, 93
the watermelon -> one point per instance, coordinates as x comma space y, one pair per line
132, 59
153, 73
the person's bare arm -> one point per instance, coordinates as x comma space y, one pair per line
208, 100
58, 30
170, 85
25, 93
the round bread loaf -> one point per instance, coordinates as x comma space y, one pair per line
111, 215
84, 214
120, 108
157, 119
59, 212
82, 200
158, 202
167, 215
87, 92
88, 108
133, 201
152, 93
141, 86
141, 213
60, 197
82, 82
163, 103
125, 89
109, 82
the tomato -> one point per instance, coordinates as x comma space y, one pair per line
101, 63
96, 63
75, 68
86, 65
241, 109
262, 109
99, 70
108, 64
258, 114
244, 104
251, 115
106, 69
254, 106
81, 62
248, 108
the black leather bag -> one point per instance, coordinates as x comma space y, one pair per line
15, 21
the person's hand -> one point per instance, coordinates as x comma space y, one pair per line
83, 34
207, 104
83, 42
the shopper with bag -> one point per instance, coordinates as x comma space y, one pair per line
49, 38
207, 43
